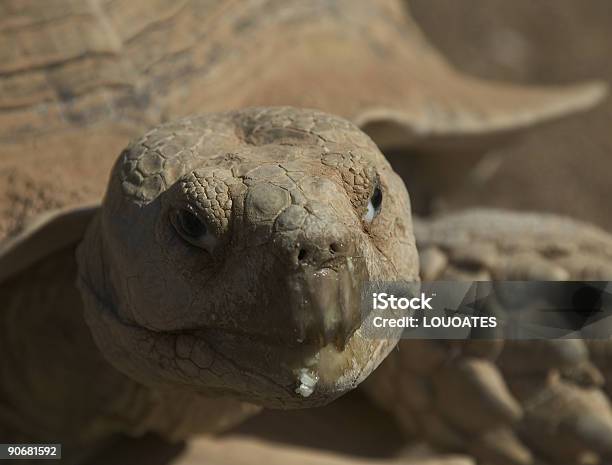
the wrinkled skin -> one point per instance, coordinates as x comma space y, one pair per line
506, 401
263, 298
83, 88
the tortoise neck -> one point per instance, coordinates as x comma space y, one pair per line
56, 382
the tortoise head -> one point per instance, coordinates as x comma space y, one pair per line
231, 250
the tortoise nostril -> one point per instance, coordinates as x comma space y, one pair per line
319, 251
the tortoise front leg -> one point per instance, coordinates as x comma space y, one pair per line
505, 402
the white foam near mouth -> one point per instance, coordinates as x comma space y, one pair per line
307, 382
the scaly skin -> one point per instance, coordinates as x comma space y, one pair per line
57, 386
270, 292
254, 310
505, 402
96, 73
267, 293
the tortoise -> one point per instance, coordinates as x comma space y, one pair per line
305, 209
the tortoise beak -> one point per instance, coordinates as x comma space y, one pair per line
327, 305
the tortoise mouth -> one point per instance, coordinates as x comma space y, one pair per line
305, 376
300, 310
253, 367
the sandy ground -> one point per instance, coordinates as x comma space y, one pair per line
565, 167
349, 431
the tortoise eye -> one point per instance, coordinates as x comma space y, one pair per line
192, 229
190, 224
374, 204
376, 198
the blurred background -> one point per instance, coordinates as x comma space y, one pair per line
565, 167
